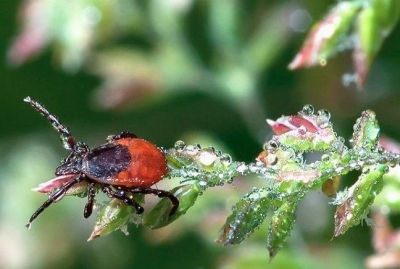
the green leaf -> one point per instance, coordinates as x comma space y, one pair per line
355, 205
387, 13
280, 225
390, 196
159, 216
112, 216
247, 215
366, 131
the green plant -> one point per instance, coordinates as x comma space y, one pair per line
287, 178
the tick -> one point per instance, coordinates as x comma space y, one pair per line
123, 166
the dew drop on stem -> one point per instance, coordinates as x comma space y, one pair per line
225, 159
307, 110
179, 145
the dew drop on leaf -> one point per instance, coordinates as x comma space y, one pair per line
207, 158
192, 149
179, 145
325, 158
225, 159
308, 110
323, 117
272, 146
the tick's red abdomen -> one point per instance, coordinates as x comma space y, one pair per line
147, 165
126, 162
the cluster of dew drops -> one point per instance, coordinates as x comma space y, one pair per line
208, 166
360, 157
321, 119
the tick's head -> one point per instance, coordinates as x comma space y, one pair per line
73, 163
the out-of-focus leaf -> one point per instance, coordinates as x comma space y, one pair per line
74, 27
261, 50
224, 26
386, 243
368, 42
387, 13
374, 24
369, 21
327, 35
128, 78
389, 198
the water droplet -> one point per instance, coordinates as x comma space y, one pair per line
192, 149
225, 159
323, 118
242, 168
325, 158
338, 145
254, 168
271, 159
370, 161
365, 170
386, 169
308, 110
202, 183
381, 150
382, 159
207, 158
179, 145
290, 153
210, 149
265, 146
339, 170
272, 146
254, 196
324, 112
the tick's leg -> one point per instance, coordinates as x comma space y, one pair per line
92, 191
161, 194
66, 137
55, 197
121, 195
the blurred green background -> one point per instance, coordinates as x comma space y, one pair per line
207, 72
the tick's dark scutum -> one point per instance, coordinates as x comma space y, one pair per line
106, 161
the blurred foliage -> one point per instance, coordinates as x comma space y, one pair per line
360, 25
207, 72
